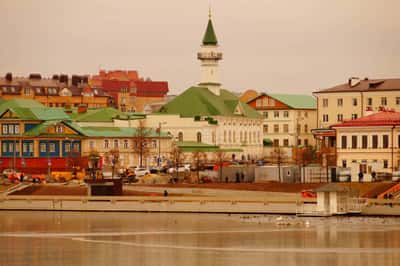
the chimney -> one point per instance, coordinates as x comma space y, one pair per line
35, 76
9, 76
55, 77
64, 78
82, 108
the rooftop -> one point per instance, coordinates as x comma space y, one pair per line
358, 85
383, 118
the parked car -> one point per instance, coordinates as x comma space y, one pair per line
181, 169
141, 171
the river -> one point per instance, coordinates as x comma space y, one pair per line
95, 238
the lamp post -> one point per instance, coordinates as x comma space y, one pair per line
159, 143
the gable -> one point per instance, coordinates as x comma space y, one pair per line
264, 101
9, 115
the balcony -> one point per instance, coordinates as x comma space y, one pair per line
209, 56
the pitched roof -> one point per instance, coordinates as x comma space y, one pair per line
199, 101
119, 132
209, 36
101, 115
42, 128
365, 85
383, 118
296, 101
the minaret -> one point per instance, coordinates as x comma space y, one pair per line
209, 57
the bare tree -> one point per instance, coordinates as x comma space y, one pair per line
278, 156
303, 156
198, 159
112, 158
177, 156
220, 157
141, 141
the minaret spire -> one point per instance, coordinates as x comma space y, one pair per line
209, 57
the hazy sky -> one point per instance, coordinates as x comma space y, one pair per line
294, 46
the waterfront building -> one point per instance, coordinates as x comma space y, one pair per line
208, 114
58, 91
369, 144
40, 139
288, 118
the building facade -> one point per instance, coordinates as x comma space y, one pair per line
288, 119
369, 144
58, 91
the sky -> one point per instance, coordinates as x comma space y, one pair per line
272, 46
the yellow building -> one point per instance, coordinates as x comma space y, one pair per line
369, 144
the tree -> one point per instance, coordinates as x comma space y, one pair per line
198, 159
177, 156
141, 141
303, 156
220, 158
278, 156
112, 158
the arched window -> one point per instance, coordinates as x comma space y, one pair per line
234, 136
230, 136
198, 137
224, 136
180, 136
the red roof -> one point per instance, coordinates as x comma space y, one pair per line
151, 88
383, 118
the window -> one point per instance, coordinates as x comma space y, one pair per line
27, 91
305, 114
344, 142
369, 101
241, 135
125, 144
52, 147
364, 141
354, 142
299, 142
276, 114
234, 136
298, 128
5, 129
285, 114
305, 128
325, 102
344, 163
10, 147
383, 101
42, 147
340, 102
276, 128
305, 142
116, 142
353, 116
397, 100
91, 144
59, 129
265, 114
276, 142
229, 136
354, 101
106, 144
199, 136
385, 141
224, 136
38, 90
285, 142
180, 136
398, 141
76, 147
325, 118
374, 141
67, 147
340, 117
286, 128
265, 129
385, 164
25, 147
4, 147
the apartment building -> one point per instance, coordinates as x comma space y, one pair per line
288, 119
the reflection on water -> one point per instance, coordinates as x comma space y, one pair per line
92, 238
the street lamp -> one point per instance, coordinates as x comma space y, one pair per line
159, 143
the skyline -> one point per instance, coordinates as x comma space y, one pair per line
299, 47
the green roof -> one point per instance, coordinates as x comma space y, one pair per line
103, 115
296, 101
117, 132
209, 36
199, 101
192, 146
27, 109
41, 128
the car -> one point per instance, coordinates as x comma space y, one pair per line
181, 169
141, 171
